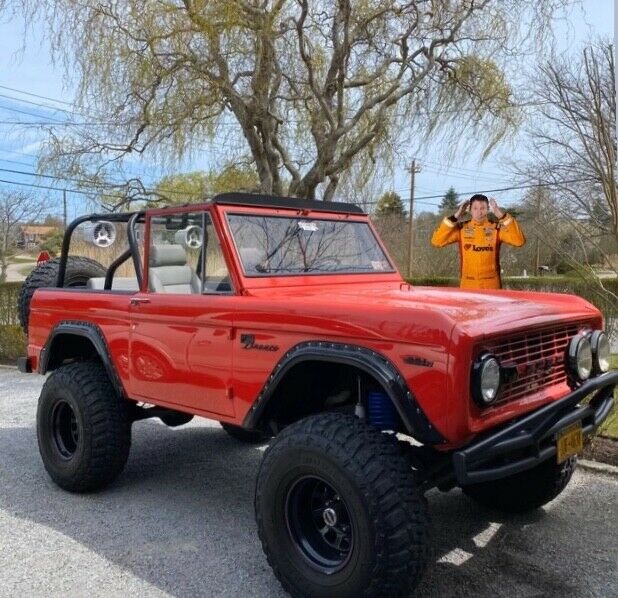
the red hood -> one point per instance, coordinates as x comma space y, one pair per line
387, 306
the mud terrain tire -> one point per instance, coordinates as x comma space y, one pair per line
338, 511
83, 428
525, 491
79, 270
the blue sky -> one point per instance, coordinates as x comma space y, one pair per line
25, 66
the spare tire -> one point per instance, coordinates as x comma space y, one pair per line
78, 271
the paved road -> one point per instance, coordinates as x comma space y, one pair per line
179, 522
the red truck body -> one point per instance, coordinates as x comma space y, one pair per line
183, 351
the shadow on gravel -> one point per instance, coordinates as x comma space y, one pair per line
181, 518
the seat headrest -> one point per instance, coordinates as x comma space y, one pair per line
167, 255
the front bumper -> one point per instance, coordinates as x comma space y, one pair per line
532, 439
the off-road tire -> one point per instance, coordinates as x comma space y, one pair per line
173, 419
247, 436
78, 271
80, 397
525, 491
389, 546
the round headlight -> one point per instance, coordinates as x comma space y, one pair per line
580, 357
600, 351
486, 380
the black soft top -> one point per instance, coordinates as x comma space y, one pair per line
294, 203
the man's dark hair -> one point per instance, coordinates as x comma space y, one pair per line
479, 197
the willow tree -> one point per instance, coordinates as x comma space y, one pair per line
308, 87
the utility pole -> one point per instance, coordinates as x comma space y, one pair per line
412, 170
64, 204
537, 260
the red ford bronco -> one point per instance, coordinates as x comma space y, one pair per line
287, 319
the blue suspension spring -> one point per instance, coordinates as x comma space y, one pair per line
381, 411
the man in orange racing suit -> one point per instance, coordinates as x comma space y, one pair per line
479, 241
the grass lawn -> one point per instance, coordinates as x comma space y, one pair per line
26, 269
22, 259
610, 426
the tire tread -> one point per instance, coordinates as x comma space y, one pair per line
398, 509
109, 428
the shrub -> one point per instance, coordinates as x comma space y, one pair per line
9, 292
12, 343
550, 284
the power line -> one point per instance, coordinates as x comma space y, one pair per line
15, 162
23, 112
234, 124
517, 187
111, 186
511, 188
34, 95
38, 104
367, 202
63, 123
44, 187
447, 167
18, 153
58, 178
460, 175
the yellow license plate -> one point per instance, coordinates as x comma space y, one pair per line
570, 442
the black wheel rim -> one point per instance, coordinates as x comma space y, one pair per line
319, 524
65, 430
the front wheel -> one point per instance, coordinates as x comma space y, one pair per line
338, 511
524, 491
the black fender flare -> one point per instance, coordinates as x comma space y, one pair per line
414, 419
92, 333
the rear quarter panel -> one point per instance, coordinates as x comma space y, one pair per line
109, 310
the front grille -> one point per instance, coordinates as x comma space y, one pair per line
538, 357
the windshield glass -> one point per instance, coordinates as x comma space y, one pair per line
270, 246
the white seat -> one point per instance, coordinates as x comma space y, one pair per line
118, 284
169, 271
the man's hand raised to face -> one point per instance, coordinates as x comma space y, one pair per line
493, 206
463, 207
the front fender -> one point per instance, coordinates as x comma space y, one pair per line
414, 419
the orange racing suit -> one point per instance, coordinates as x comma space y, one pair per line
479, 248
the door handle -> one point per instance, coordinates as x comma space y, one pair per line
139, 300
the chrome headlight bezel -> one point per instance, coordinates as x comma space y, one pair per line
579, 358
486, 380
599, 343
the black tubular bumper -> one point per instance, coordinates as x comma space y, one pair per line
532, 439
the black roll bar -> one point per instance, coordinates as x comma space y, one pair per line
131, 218
109, 275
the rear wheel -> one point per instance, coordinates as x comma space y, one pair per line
78, 271
338, 511
83, 428
524, 491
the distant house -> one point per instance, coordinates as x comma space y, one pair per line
30, 235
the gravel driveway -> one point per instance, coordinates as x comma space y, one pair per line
179, 522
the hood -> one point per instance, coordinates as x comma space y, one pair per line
390, 308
